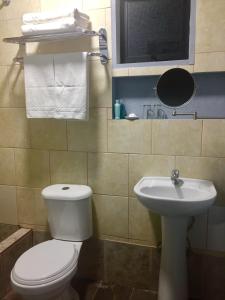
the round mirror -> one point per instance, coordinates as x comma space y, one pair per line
175, 87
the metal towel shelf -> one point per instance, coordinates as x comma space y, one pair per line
102, 34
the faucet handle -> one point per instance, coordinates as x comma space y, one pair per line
175, 173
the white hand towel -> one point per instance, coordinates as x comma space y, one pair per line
52, 16
41, 70
68, 96
64, 25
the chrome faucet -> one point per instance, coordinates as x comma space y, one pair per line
175, 177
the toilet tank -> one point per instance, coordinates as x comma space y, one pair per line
69, 211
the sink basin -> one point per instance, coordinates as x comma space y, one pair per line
175, 204
191, 197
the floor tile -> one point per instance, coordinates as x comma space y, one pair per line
143, 295
104, 293
85, 288
121, 292
12, 296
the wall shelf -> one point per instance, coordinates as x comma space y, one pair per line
56, 37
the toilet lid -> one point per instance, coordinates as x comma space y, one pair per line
45, 262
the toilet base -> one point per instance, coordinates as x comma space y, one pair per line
67, 294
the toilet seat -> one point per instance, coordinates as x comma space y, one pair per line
45, 263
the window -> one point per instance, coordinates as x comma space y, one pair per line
153, 32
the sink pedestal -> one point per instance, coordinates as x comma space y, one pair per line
173, 269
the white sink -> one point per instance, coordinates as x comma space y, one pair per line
175, 201
191, 197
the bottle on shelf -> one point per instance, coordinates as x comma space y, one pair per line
117, 110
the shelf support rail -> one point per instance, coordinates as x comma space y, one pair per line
103, 58
102, 35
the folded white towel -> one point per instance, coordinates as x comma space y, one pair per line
63, 25
52, 16
65, 97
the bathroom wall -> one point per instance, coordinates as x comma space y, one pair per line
108, 155
138, 94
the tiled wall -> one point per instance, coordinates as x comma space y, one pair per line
108, 155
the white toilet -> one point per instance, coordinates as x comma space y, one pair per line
44, 271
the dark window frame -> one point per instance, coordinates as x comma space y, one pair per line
118, 55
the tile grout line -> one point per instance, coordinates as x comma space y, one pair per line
202, 132
151, 137
107, 130
67, 138
87, 170
128, 178
116, 153
49, 165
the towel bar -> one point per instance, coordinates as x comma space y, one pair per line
102, 34
104, 59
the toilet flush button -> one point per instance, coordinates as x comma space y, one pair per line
65, 188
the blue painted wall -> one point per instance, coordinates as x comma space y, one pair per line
138, 93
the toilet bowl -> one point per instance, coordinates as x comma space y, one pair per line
44, 271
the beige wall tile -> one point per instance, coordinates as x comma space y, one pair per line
109, 113
110, 215
18, 7
8, 211
129, 137
78, 135
108, 26
210, 62
213, 138
7, 167
8, 28
90, 4
14, 129
60, 4
15, 79
91, 135
32, 168
41, 214
143, 224
68, 167
100, 85
157, 70
97, 18
9, 51
97, 21
120, 72
176, 137
148, 165
4, 87
48, 134
25, 205
31, 207
204, 168
210, 26
108, 173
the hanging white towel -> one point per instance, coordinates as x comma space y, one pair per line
57, 86
63, 25
52, 16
